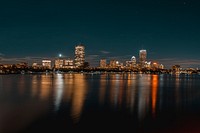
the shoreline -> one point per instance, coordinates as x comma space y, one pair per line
98, 72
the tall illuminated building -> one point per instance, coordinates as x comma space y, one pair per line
142, 58
103, 63
79, 55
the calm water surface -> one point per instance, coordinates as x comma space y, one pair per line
136, 103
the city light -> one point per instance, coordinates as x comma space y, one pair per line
78, 64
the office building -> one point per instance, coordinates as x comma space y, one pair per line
46, 64
142, 58
68, 63
59, 63
131, 63
103, 63
79, 56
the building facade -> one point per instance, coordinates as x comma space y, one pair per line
46, 64
59, 63
113, 64
103, 63
131, 63
79, 56
68, 63
142, 58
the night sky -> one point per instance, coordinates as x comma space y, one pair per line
168, 29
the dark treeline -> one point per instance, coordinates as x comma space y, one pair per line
22, 70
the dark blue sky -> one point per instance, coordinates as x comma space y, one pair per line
168, 29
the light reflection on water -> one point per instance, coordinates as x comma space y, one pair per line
28, 98
143, 96
78, 96
154, 93
59, 88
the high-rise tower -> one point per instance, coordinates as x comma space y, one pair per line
103, 63
142, 58
133, 60
79, 55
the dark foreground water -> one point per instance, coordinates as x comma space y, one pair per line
100, 103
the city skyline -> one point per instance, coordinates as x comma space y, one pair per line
142, 57
168, 30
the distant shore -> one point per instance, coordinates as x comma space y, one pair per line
96, 71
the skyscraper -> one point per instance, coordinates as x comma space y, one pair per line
142, 58
79, 55
103, 63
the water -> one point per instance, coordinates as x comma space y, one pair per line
138, 103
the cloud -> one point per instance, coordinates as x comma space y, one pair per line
123, 58
185, 63
104, 52
93, 60
28, 59
167, 59
94, 55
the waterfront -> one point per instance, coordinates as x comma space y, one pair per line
99, 102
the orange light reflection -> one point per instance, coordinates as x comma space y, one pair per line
154, 93
78, 96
